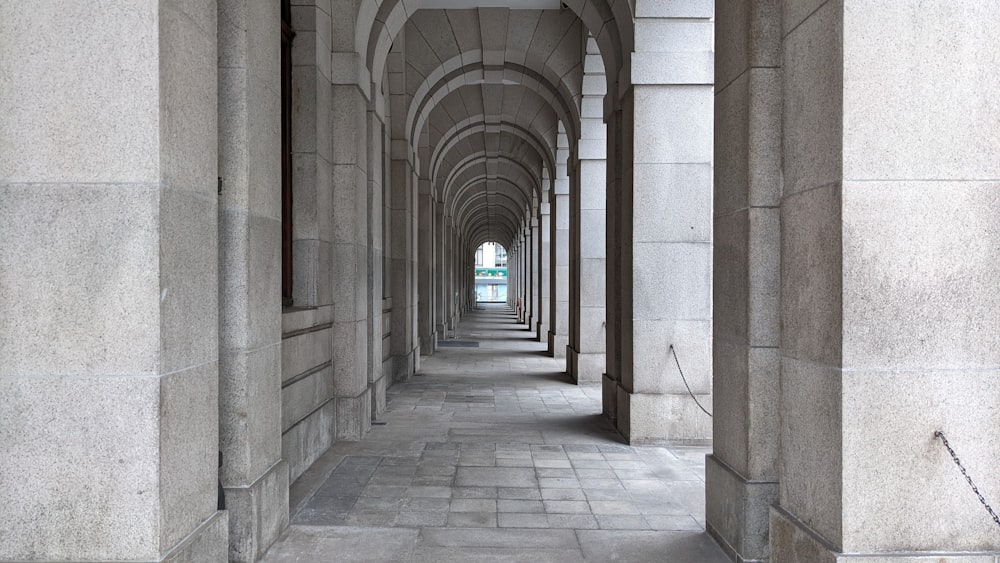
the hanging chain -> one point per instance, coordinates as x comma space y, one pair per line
684, 379
975, 489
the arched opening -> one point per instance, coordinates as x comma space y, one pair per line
491, 273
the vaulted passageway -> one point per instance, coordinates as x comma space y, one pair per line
491, 452
227, 233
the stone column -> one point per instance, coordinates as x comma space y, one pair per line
512, 275
522, 266
512, 267
468, 276
378, 292
451, 314
533, 280
611, 381
559, 283
414, 258
742, 472
666, 234
588, 339
403, 345
440, 274
350, 98
544, 263
425, 267
589, 336
253, 473
528, 268
889, 300
109, 326
574, 263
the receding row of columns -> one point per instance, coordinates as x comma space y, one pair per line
843, 294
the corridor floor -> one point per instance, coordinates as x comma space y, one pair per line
490, 453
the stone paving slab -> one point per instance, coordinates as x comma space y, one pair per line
326, 543
494, 455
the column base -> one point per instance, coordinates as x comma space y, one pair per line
257, 514
354, 416
645, 418
609, 399
402, 366
584, 368
379, 388
208, 542
427, 343
794, 542
541, 331
737, 511
557, 344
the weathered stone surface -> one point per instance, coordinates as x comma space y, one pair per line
104, 328
100, 467
257, 514
737, 510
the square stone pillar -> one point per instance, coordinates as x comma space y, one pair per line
889, 265
526, 276
350, 254
109, 325
742, 472
544, 264
512, 271
559, 259
425, 268
403, 346
253, 474
403, 229
533, 261
440, 281
588, 338
451, 276
666, 228
380, 246
611, 380
574, 267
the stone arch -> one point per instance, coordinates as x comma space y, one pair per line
476, 168
378, 26
563, 104
460, 131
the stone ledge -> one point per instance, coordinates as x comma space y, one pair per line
298, 319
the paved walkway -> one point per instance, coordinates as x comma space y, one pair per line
490, 453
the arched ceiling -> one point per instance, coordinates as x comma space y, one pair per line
493, 120
484, 91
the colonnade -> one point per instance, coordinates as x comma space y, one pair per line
785, 211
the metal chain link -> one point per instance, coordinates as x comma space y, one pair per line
975, 489
684, 379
